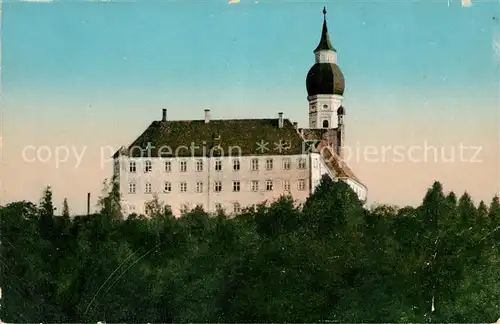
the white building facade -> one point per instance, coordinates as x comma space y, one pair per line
238, 163
212, 183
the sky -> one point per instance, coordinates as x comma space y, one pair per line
83, 78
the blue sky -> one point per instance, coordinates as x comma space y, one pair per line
93, 73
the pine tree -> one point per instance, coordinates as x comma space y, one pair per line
494, 219
451, 198
433, 207
65, 209
482, 209
46, 213
467, 210
494, 212
452, 206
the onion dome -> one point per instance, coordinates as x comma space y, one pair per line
325, 77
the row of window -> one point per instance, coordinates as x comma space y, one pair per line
199, 165
218, 207
217, 186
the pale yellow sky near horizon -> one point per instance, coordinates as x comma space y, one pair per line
388, 156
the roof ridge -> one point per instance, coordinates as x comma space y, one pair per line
222, 119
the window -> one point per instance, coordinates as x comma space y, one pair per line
287, 164
301, 185
199, 186
269, 164
147, 166
183, 186
255, 164
148, 188
325, 123
236, 208
183, 166
255, 185
132, 166
217, 186
269, 185
168, 187
236, 164
131, 188
236, 186
168, 166
218, 165
286, 185
301, 163
199, 165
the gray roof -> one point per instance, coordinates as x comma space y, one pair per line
233, 136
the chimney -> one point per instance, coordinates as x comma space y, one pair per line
296, 125
164, 115
207, 116
88, 203
280, 120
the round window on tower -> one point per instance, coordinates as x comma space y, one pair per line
325, 106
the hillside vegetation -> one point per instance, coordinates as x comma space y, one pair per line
330, 259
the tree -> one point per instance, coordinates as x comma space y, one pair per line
46, 213
65, 209
331, 206
281, 217
110, 200
494, 212
467, 210
451, 198
154, 208
332, 260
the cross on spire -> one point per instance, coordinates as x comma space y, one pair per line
324, 12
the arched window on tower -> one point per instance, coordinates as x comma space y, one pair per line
325, 123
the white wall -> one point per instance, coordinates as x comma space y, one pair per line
317, 113
359, 189
319, 168
315, 168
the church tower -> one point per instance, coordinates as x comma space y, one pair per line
325, 84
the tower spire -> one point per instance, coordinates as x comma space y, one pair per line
324, 43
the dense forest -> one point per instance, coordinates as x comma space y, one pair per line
330, 259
